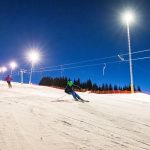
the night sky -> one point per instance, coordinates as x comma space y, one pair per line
72, 31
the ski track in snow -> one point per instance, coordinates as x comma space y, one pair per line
42, 118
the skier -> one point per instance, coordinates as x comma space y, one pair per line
8, 80
70, 90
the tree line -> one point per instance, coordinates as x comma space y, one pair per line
60, 82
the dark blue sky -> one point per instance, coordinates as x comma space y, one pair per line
68, 31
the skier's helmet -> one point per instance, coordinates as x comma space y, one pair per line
70, 83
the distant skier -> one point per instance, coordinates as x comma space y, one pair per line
8, 80
70, 90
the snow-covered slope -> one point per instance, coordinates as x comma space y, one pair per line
42, 118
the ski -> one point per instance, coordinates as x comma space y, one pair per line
82, 100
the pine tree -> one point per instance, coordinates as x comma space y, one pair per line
89, 84
110, 87
103, 87
115, 87
95, 87
139, 89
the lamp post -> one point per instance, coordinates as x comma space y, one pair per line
33, 57
30, 79
13, 65
128, 17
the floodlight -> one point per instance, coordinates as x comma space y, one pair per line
13, 65
34, 56
128, 17
4, 69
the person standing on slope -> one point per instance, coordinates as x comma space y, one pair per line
8, 80
70, 90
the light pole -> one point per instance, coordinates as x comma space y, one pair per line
30, 79
21, 74
128, 17
13, 65
33, 57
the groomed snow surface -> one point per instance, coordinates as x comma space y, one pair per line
43, 118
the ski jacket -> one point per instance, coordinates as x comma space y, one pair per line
8, 78
69, 89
